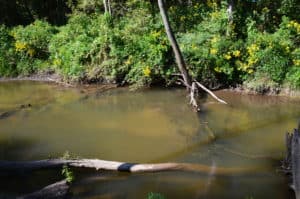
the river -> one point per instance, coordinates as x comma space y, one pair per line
153, 125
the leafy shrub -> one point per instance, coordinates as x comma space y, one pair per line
69, 48
211, 50
31, 46
275, 54
7, 53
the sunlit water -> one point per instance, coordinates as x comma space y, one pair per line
147, 126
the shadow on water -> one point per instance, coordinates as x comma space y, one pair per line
12, 148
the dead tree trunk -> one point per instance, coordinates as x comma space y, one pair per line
291, 163
191, 85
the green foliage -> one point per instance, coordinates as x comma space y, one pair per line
69, 48
256, 46
30, 47
68, 174
152, 195
211, 50
276, 55
7, 53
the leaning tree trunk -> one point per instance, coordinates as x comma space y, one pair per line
178, 55
191, 85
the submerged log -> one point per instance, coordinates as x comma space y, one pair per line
58, 190
10, 113
291, 163
27, 166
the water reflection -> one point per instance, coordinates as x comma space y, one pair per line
150, 126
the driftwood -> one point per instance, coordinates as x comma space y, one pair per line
28, 166
58, 190
291, 163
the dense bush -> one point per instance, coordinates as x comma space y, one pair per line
212, 49
24, 50
7, 53
274, 56
255, 45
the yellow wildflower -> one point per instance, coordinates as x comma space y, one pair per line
147, 71
213, 51
296, 62
57, 62
236, 53
31, 52
215, 15
287, 49
20, 46
214, 40
227, 56
217, 69
252, 49
250, 71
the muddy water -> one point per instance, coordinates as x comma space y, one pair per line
147, 126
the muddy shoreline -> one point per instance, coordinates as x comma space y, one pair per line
58, 79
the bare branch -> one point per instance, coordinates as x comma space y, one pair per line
211, 93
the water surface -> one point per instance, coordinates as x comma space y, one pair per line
153, 125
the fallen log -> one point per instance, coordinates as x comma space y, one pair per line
291, 163
58, 190
28, 166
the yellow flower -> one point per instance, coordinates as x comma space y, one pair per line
215, 15
227, 56
252, 49
287, 49
250, 71
57, 62
31, 52
214, 40
213, 51
217, 69
20, 46
236, 53
147, 71
296, 62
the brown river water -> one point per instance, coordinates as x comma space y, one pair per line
155, 125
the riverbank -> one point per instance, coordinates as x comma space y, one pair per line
58, 79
